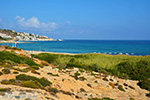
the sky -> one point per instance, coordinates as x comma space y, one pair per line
78, 19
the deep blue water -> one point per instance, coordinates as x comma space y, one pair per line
138, 47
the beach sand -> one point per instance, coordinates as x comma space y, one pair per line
14, 42
38, 52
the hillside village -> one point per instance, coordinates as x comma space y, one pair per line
22, 36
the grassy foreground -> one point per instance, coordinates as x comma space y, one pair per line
123, 66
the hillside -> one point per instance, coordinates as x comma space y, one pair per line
22, 36
59, 77
8, 32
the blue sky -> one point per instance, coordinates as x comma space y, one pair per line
78, 19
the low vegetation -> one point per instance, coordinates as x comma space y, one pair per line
28, 81
104, 98
43, 81
15, 58
13, 48
6, 71
52, 74
120, 87
123, 66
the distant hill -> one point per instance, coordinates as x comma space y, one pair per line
8, 32
22, 36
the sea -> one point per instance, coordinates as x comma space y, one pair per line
114, 47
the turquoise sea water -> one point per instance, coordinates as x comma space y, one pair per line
138, 47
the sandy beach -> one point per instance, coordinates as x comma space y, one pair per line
37, 52
14, 42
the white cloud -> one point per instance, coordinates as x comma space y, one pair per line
34, 22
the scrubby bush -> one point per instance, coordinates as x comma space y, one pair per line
81, 70
96, 68
120, 87
76, 75
5, 82
52, 74
15, 72
54, 90
82, 78
132, 99
134, 70
35, 72
3, 89
35, 67
43, 81
6, 71
30, 84
104, 98
21, 70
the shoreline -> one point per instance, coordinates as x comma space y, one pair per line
38, 52
14, 42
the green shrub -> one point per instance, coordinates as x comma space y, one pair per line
134, 70
43, 81
3, 89
35, 72
30, 84
96, 68
76, 75
81, 70
54, 90
120, 87
132, 99
20, 70
104, 98
12, 80
15, 72
9, 62
6, 71
52, 74
35, 67
5, 82
82, 78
